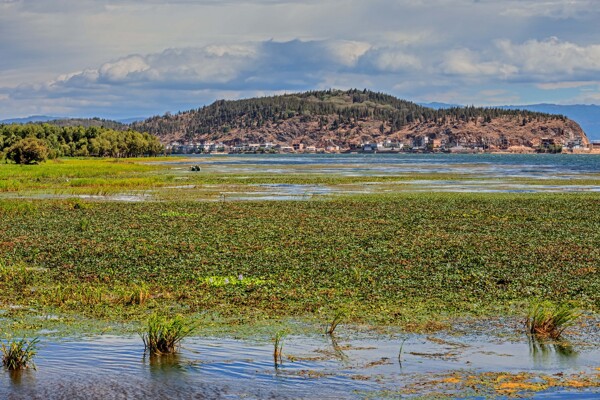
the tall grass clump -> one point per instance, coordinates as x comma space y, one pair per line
546, 320
278, 347
18, 354
163, 336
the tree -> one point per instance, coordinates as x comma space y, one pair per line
28, 151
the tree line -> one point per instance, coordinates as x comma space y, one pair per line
61, 141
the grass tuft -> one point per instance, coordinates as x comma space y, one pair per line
338, 317
137, 295
546, 320
278, 347
18, 354
163, 336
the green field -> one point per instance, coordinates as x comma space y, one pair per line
399, 259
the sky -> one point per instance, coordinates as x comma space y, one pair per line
130, 58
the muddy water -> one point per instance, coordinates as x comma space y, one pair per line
109, 367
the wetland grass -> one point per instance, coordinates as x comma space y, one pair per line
163, 336
337, 319
546, 320
401, 351
18, 354
278, 347
423, 255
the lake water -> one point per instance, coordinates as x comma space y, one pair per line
492, 173
313, 367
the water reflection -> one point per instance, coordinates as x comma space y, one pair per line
337, 349
315, 366
544, 352
164, 363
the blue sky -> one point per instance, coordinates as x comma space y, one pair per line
117, 59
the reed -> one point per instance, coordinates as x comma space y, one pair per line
338, 317
163, 336
278, 347
18, 354
546, 320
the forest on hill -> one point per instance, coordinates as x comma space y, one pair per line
330, 110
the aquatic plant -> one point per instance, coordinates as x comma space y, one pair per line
546, 320
278, 346
18, 354
337, 318
420, 257
138, 295
163, 336
400, 352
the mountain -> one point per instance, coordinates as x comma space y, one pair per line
131, 120
26, 120
349, 118
62, 122
66, 121
438, 106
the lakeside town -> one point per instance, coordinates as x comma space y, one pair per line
419, 144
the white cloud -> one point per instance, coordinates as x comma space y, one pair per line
552, 56
395, 61
348, 53
468, 63
120, 70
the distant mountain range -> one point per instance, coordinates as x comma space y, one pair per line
46, 118
26, 120
587, 116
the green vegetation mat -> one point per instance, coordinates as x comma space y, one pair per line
384, 259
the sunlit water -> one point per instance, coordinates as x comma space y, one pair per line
313, 367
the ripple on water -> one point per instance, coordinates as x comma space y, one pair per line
313, 367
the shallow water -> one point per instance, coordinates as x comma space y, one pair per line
484, 165
469, 173
479, 173
313, 367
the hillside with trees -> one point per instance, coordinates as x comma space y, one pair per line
347, 118
15, 140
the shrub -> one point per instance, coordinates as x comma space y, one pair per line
164, 336
28, 151
17, 354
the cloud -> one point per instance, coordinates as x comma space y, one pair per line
552, 57
537, 61
556, 9
141, 55
565, 85
468, 63
255, 65
393, 60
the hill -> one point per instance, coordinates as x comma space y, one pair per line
586, 115
350, 118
